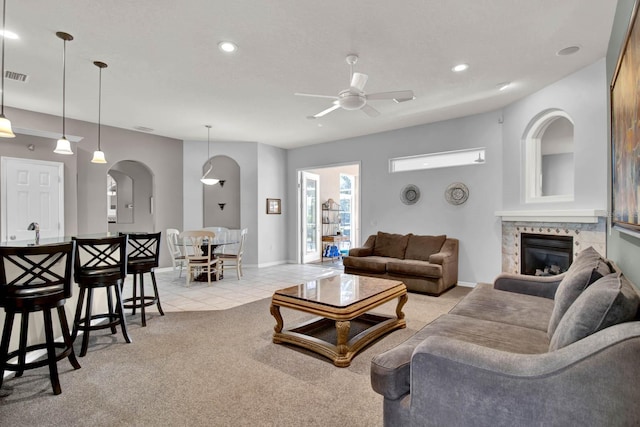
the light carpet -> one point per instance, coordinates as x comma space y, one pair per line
211, 368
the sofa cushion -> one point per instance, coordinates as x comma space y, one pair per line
485, 302
421, 247
607, 302
412, 267
373, 264
390, 245
588, 267
390, 371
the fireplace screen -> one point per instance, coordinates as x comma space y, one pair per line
545, 255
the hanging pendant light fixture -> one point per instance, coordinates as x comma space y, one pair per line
5, 124
98, 155
206, 179
63, 146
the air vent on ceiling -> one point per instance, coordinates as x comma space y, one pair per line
143, 129
12, 75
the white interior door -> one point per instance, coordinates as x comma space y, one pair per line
32, 191
310, 217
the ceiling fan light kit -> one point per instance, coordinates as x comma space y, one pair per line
355, 98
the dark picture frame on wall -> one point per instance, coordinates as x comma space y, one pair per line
274, 206
625, 131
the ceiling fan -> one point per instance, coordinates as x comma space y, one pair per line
355, 98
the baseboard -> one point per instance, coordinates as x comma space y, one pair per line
467, 284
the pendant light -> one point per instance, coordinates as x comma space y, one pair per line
5, 124
98, 155
208, 180
63, 146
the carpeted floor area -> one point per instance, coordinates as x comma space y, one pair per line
210, 368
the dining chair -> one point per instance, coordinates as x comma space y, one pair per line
32, 279
198, 254
175, 250
235, 260
100, 263
143, 255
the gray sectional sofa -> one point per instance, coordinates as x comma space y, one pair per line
525, 350
426, 264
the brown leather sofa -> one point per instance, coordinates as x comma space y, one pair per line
425, 264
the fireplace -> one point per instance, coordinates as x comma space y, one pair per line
545, 255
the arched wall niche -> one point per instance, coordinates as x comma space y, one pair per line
549, 158
135, 210
221, 202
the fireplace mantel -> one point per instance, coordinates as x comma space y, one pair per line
569, 215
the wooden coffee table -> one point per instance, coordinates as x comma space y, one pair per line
342, 302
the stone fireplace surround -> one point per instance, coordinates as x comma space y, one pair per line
587, 227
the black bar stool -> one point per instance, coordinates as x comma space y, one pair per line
100, 263
36, 278
143, 255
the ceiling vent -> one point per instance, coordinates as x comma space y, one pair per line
143, 129
12, 75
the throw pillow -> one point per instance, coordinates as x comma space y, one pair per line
390, 245
588, 267
607, 302
421, 247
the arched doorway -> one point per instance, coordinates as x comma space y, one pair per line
130, 205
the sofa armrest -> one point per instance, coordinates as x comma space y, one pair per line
448, 259
540, 286
448, 252
366, 249
590, 382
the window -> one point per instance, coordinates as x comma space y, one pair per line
549, 164
475, 156
346, 203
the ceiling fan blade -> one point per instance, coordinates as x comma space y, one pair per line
313, 95
327, 111
358, 80
370, 111
400, 95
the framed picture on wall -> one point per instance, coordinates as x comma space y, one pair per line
274, 206
625, 131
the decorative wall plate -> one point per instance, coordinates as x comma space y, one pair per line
410, 194
456, 193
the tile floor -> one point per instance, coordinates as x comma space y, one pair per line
255, 284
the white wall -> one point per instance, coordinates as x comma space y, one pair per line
473, 223
271, 233
259, 180
583, 95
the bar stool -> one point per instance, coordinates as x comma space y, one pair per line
143, 255
100, 263
36, 278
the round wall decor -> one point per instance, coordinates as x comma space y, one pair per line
410, 194
456, 193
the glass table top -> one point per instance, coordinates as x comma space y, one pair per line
340, 290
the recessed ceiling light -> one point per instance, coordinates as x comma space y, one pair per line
227, 47
460, 67
568, 51
503, 86
9, 34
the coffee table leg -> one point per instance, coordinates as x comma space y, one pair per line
275, 312
402, 300
342, 330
